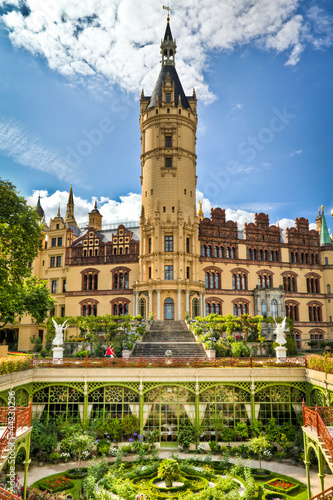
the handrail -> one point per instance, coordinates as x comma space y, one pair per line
7, 495
313, 418
179, 361
21, 419
324, 495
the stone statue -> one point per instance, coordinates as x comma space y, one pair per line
279, 330
59, 329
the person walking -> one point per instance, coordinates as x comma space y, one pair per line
109, 352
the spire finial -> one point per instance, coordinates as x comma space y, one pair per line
168, 9
58, 215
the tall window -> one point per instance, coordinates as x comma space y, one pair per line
60, 242
188, 245
239, 281
54, 286
315, 312
90, 280
52, 262
264, 309
168, 243
168, 141
168, 97
290, 283
168, 273
149, 245
54, 242
203, 250
213, 280
120, 279
274, 308
64, 286
59, 261
168, 162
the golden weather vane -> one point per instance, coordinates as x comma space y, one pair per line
168, 9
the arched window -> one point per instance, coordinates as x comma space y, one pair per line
209, 251
239, 280
216, 251
207, 280
195, 308
120, 277
249, 254
221, 252
264, 309
89, 307
120, 306
89, 279
235, 310
274, 308
169, 308
142, 308
233, 252
228, 253
203, 250
212, 280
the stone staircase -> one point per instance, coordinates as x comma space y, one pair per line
169, 335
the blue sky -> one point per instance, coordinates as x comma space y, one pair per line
71, 77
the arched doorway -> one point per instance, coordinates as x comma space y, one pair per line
169, 307
142, 308
195, 308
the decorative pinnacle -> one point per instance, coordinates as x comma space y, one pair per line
168, 9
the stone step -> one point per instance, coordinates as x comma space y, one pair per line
151, 350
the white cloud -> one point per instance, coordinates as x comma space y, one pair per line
116, 40
27, 150
297, 152
128, 208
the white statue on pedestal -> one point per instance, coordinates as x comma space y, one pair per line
281, 352
58, 341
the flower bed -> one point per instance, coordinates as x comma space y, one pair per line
281, 485
274, 496
55, 484
14, 364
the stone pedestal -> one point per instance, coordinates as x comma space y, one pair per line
211, 353
281, 352
126, 353
58, 354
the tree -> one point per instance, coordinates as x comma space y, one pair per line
20, 241
80, 443
258, 445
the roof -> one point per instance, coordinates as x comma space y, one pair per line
168, 34
324, 234
39, 208
179, 92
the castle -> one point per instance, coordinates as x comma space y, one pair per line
175, 261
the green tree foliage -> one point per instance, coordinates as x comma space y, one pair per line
258, 445
20, 240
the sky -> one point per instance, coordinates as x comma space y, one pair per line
71, 74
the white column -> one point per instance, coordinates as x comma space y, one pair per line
150, 301
187, 301
202, 304
158, 304
179, 305
135, 311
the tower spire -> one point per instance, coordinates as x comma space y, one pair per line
70, 218
168, 44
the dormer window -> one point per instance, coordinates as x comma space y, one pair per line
168, 97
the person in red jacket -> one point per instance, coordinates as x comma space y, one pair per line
109, 352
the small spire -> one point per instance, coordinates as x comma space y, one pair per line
96, 203
70, 218
201, 214
58, 214
39, 208
324, 234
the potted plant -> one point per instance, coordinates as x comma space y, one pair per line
169, 471
42, 457
227, 435
54, 457
258, 445
242, 430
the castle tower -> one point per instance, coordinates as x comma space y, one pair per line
169, 247
95, 218
70, 218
